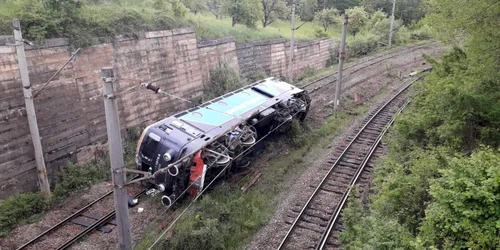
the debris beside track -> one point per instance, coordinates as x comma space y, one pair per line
255, 178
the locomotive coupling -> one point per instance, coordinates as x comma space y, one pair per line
154, 191
166, 201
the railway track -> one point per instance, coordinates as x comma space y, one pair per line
313, 222
363, 184
355, 67
79, 215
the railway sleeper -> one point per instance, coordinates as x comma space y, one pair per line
332, 188
311, 226
325, 198
328, 208
349, 165
324, 216
339, 183
348, 172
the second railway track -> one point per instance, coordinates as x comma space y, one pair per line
317, 84
45, 241
313, 222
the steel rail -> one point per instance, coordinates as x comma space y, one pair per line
95, 225
345, 196
65, 220
72, 216
336, 162
386, 56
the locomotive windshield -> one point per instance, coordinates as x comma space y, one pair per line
149, 148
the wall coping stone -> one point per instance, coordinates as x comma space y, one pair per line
208, 43
260, 43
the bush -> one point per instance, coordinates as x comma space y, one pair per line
80, 21
334, 57
423, 33
298, 134
76, 177
257, 76
320, 33
308, 72
403, 36
223, 79
362, 44
19, 209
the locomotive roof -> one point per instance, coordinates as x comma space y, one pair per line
236, 105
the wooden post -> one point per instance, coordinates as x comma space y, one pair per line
341, 64
292, 40
43, 181
116, 157
392, 22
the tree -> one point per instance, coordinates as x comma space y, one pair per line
327, 17
247, 12
357, 19
337, 4
194, 5
306, 9
178, 8
410, 11
465, 213
273, 10
214, 6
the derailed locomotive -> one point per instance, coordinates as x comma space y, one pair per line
189, 149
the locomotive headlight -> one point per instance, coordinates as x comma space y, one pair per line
167, 157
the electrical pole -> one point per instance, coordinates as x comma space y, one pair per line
392, 22
341, 64
43, 181
290, 60
116, 157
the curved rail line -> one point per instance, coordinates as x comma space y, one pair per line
336, 215
356, 67
95, 225
315, 220
75, 215
64, 221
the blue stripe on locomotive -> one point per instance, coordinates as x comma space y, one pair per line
226, 109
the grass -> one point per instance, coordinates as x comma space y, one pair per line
208, 27
93, 19
226, 218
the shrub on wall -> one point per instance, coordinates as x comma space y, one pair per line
257, 76
362, 44
223, 78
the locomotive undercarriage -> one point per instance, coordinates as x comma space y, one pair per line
232, 152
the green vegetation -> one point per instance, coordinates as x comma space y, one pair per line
247, 12
439, 186
82, 21
327, 18
308, 72
19, 209
223, 79
226, 218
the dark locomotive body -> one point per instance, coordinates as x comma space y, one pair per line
189, 149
